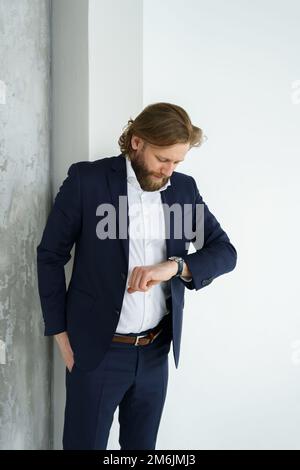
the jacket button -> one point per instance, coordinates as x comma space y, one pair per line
117, 312
123, 275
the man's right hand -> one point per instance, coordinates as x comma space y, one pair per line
65, 349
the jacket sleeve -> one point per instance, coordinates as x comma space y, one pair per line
215, 255
61, 231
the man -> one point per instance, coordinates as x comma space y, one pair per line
123, 306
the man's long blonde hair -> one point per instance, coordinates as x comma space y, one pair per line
162, 125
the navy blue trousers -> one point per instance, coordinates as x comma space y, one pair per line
133, 378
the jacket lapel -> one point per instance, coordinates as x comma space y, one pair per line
117, 181
168, 198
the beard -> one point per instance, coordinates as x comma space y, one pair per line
146, 178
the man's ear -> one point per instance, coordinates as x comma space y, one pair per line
135, 141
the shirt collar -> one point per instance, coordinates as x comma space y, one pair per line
132, 179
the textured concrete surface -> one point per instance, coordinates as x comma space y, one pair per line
25, 394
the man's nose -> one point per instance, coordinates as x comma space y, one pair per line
168, 170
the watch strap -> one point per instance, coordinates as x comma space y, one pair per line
180, 263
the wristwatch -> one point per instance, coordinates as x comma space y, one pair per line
180, 262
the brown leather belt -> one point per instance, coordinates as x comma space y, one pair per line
139, 340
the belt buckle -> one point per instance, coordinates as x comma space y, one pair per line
137, 339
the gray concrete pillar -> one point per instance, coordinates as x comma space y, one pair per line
25, 365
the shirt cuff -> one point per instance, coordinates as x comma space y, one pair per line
187, 279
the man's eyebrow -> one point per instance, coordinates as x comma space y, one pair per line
168, 160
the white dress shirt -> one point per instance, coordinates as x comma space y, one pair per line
147, 245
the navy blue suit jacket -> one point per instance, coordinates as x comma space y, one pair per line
89, 309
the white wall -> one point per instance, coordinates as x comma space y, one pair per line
232, 66
115, 71
70, 75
